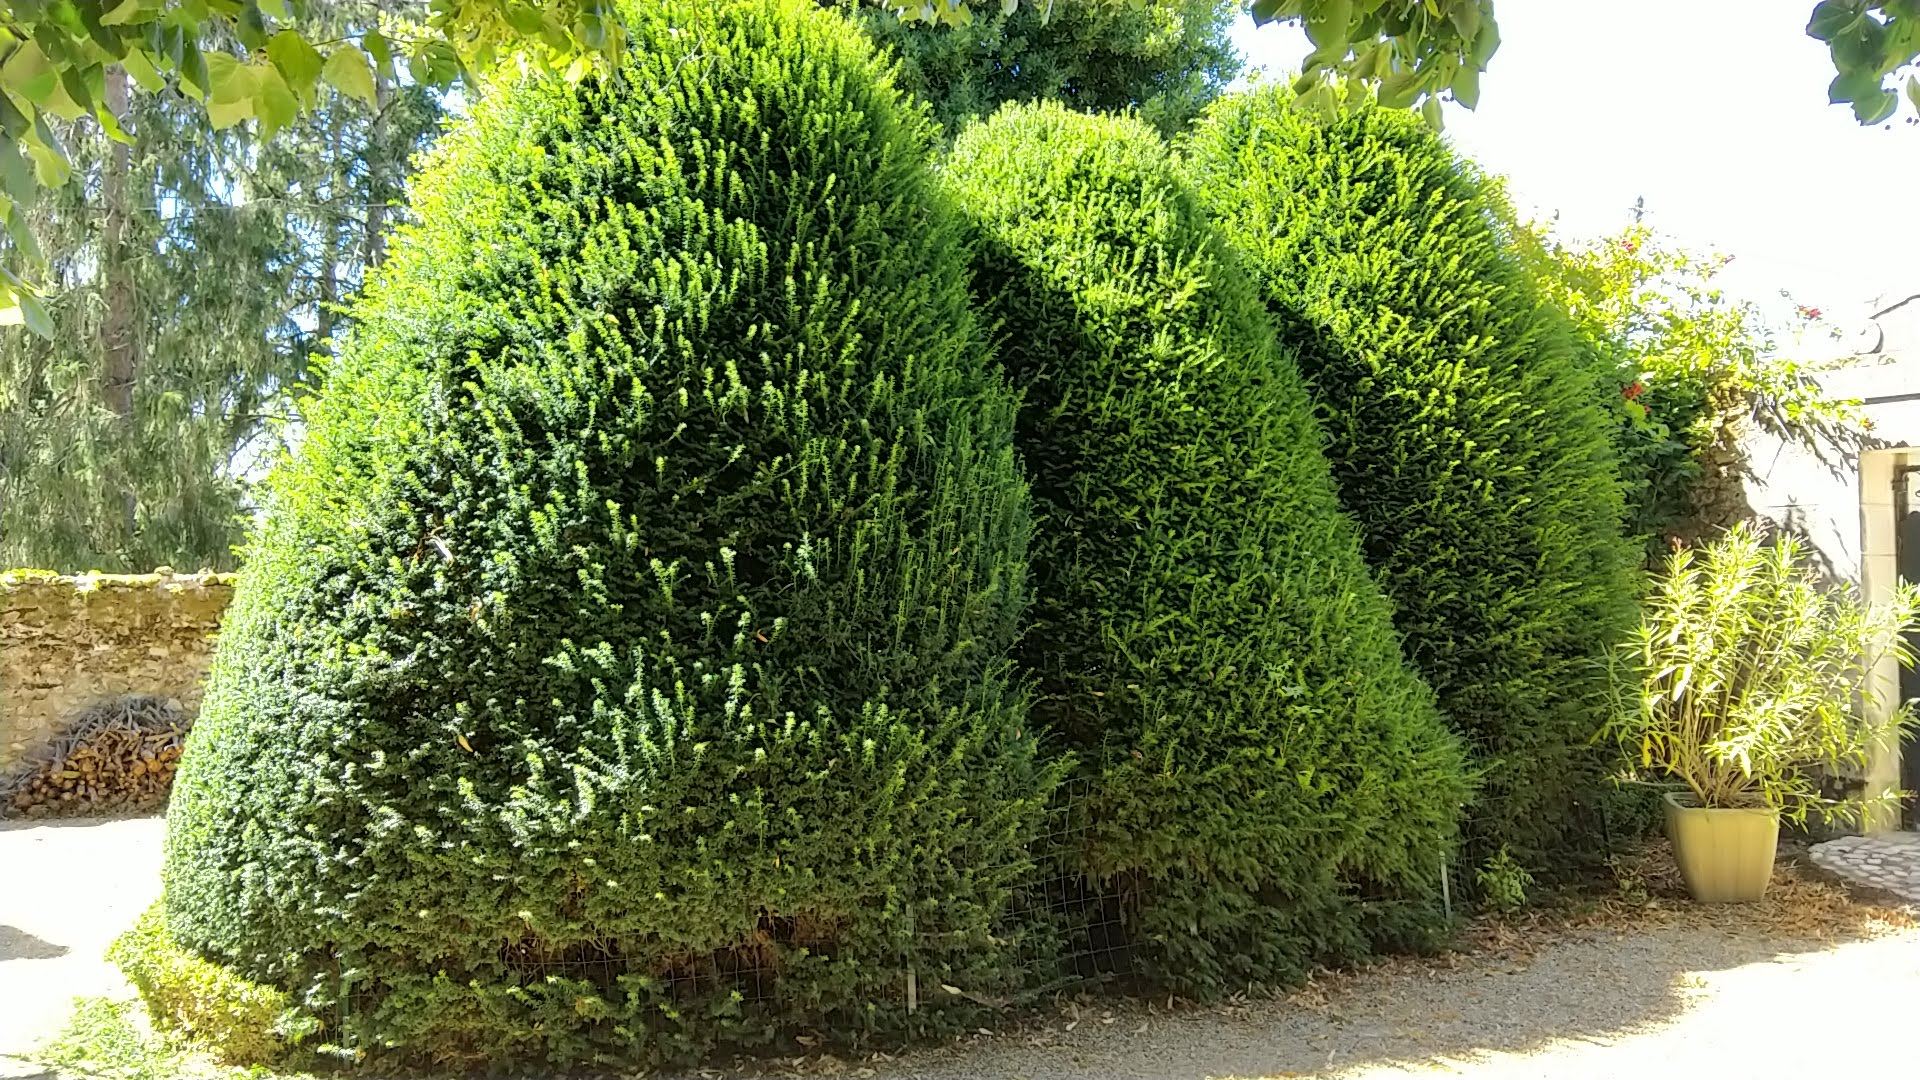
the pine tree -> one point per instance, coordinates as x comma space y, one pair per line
1166, 58
195, 275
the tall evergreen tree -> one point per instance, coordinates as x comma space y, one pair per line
1165, 58
193, 276
640, 601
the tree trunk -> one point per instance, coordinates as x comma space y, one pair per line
379, 177
337, 192
119, 324
119, 340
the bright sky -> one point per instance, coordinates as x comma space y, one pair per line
1714, 110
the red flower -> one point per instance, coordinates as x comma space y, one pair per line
1633, 390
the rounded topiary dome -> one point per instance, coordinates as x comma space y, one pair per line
631, 630
1466, 438
1272, 786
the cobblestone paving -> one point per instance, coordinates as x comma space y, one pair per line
1886, 861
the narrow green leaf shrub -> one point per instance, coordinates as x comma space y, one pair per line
1273, 787
633, 630
240, 1021
1465, 437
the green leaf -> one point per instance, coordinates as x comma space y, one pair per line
29, 73
1266, 11
16, 176
1831, 17
110, 125
1397, 90
347, 71
300, 64
251, 26
1328, 23
274, 102
1430, 112
19, 307
195, 78
122, 13
1852, 86
1466, 86
14, 124
84, 87
22, 233
1913, 90
1466, 18
1485, 44
1875, 107
380, 50
525, 19
142, 71
233, 86
50, 164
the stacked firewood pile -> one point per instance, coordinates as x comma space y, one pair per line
117, 755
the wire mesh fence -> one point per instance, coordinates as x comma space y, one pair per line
1061, 930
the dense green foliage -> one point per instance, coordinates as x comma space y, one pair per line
1465, 434
1167, 58
128, 437
638, 609
188, 996
1870, 41
1272, 786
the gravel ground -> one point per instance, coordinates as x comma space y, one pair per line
67, 889
1804, 984
1642, 984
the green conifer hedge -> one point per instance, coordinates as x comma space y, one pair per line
1273, 787
1465, 438
632, 631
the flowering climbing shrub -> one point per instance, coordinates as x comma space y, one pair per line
1697, 369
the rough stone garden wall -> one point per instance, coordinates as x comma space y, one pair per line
69, 642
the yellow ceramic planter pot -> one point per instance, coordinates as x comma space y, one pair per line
1725, 856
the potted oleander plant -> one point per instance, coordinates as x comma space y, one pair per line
1749, 682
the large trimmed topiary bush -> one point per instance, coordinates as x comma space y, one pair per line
631, 633
1271, 785
1465, 437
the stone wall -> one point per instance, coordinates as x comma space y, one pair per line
66, 642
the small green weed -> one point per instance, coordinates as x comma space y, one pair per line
1503, 882
111, 1040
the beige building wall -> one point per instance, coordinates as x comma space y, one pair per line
1843, 502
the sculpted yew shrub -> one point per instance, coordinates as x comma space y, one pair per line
1272, 786
638, 610
1466, 438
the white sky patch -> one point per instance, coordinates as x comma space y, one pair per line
1714, 111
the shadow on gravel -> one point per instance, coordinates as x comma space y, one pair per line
1594, 974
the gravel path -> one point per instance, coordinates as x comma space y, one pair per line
1804, 984
1808, 983
1674, 1003
67, 889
